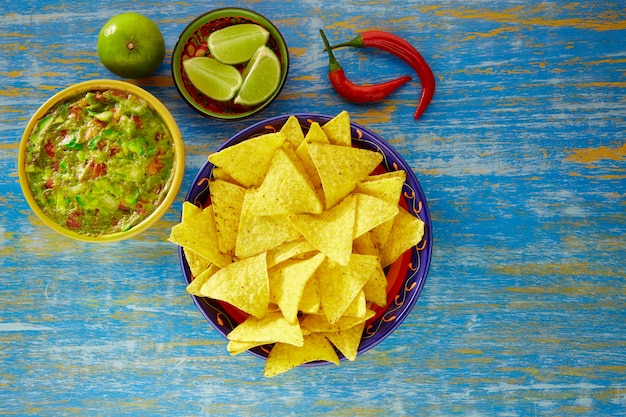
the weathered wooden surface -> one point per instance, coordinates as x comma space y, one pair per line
522, 156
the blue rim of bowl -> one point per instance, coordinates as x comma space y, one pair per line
182, 87
416, 260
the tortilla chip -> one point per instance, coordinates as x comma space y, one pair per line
341, 168
338, 129
315, 134
363, 245
386, 186
284, 190
199, 233
196, 284
261, 233
371, 212
316, 323
270, 329
189, 210
330, 232
235, 347
221, 174
407, 231
340, 285
310, 299
380, 235
358, 307
289, 250
375, 289
293, 131
347, 341
284, 357
287, 283
243, 284
197, 264
247, 162
227, 200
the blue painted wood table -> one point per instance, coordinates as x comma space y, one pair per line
521, 155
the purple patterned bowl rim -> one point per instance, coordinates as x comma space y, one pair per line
419, 258
211, 16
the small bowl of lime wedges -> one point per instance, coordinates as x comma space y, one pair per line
230, 63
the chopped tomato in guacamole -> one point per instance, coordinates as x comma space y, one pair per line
100, 163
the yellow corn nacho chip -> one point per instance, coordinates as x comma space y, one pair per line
293, 132
375, 289
380, 235
339, 285
310, 299
270, 329
243, 284
235, 347
248, 161
386, 186
363, 245
406, 232
318, 323
195, 286
341, 168
284, 190
338, 129
227, 201
371, 212
315, 134
347, 341
189, 210
330, 232
186, 234
197, 264
294, 249
287, 283
284, 357
261, 233
358, 307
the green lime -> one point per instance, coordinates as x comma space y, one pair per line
236, 44
131, 45
261, 78
214, 79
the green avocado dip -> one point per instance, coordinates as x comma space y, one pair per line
100, 163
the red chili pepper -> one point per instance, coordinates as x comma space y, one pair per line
358, 93
404, 50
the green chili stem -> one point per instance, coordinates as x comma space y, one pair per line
333, 65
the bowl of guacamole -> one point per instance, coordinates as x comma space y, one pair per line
101, 161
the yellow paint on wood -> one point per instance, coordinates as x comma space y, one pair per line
536, 16
298, 52
490, 34
468, 351
596, 154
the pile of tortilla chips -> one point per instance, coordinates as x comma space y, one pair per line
297, 235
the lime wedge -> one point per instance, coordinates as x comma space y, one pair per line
236, 44
214, 79
260, 78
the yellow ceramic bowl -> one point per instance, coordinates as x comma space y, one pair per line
175, 177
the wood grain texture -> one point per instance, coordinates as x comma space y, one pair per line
522, 157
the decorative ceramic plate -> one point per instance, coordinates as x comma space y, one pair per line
406, 276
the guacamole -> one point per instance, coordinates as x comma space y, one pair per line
100, 163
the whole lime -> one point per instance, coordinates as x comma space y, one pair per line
131, 45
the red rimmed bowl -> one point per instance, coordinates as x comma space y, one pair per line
406, 276
194, 37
